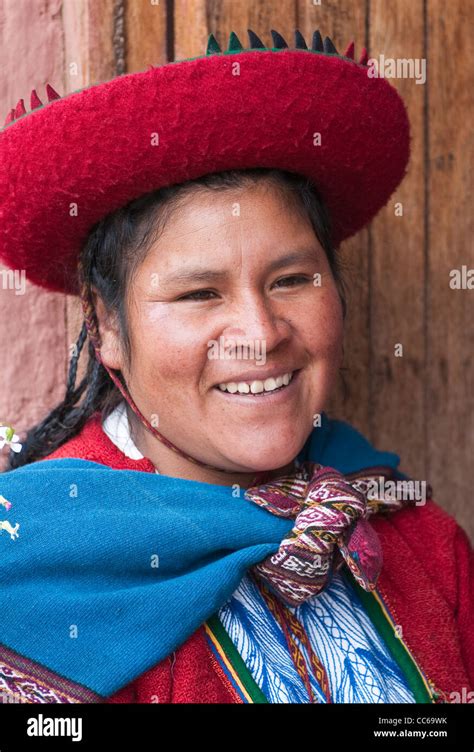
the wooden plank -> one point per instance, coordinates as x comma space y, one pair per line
195, 20
398, 268
145, 34
450, 331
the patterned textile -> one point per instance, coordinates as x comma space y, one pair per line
330, 523
25, 681
358, 664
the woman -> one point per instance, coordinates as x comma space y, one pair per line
203, 531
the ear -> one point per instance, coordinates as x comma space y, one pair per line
110, 350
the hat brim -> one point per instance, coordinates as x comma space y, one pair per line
71, 162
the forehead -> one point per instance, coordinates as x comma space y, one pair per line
208, 224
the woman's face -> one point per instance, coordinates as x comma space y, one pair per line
217, 301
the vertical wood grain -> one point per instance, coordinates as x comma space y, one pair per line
196, 19
146, 30
397, 299
450, 320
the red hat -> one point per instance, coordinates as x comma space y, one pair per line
69, 162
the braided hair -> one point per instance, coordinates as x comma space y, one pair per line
114, 249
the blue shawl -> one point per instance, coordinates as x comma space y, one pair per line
114, 569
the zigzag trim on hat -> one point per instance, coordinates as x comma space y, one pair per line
35, 102
318, 46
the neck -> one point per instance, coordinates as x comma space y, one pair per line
170, 463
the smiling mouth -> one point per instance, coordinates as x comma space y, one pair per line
256, 389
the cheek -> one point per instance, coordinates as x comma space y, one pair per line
167, 352
324, 326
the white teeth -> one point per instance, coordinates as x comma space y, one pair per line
256, 387
269, 385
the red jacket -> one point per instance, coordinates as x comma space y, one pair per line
426, 582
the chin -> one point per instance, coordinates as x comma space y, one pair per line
268, 460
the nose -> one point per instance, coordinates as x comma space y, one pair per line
255, 318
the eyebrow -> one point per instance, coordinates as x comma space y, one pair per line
198, 274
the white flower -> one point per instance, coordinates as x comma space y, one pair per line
9, 438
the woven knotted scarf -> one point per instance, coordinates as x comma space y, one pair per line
330, 527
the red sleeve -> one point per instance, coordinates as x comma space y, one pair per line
442, 549
464, 609
125, 695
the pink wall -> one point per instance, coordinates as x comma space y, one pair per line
32, 332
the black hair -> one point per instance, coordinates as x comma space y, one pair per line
114, 249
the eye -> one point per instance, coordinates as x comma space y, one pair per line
203, 294
192, 295
296, 278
